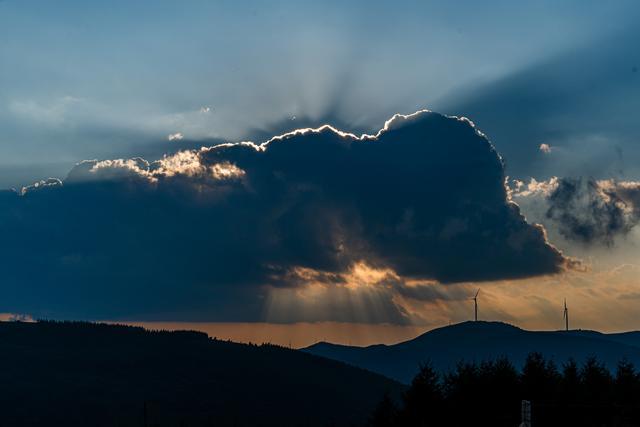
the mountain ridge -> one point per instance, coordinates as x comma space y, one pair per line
444, 347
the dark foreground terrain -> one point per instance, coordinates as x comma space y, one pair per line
82, 374
491, 393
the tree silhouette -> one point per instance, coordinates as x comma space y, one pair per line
423, 401
385, 414
596, 382
540, 379
490, 394
627, 383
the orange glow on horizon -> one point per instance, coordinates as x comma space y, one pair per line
296, 335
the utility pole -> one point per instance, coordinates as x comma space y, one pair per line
525, 411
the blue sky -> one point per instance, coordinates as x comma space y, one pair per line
109, 79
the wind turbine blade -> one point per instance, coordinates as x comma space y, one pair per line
477, 292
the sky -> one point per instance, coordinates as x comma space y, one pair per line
115, 207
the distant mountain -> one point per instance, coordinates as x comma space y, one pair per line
478, 341
82, 374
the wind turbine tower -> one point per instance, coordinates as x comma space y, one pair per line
566, 316
475, 305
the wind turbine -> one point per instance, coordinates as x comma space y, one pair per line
475, 304
565, 316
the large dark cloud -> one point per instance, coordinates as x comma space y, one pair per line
204, 234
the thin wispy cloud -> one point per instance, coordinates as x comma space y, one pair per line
175, 136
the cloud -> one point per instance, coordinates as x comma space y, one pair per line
50, 182
435, 292
16, 317
587, 211
545, 148
175, 136
630, 295
208, 233
56, 112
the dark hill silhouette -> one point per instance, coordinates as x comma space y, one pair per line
83, 374
478, 341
